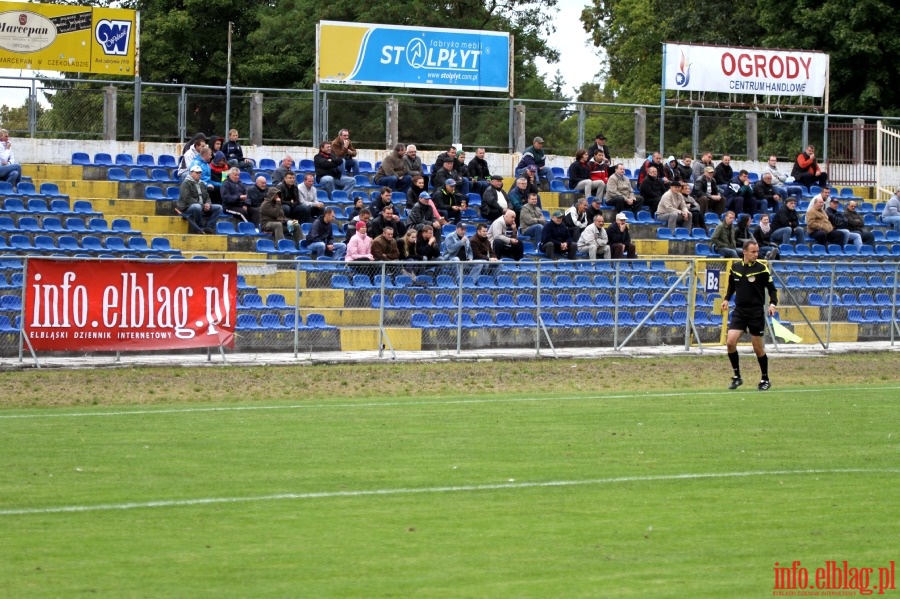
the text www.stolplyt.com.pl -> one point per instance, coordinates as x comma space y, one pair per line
833, 579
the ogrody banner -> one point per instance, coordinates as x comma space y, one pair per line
745, 70
58, 37
391, 55
112, 305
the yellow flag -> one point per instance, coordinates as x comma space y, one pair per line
779, 330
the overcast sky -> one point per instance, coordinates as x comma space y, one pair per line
578, 61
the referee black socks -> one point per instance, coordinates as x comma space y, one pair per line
735, 363
764, 366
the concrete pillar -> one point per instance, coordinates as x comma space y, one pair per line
256, 119
858, 141
519, 129
640, 133
752, 137
392, 121
109, 113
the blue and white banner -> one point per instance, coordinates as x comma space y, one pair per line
395, 56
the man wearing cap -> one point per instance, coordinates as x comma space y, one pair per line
891, 213
839, 221
619, 193
329, 172
620, 238
320, 239
449, 202
448, 171
424, 213
594, 240
412, 160
272, 219
600, 144
532, 220
673, 209
706, 192
534, 155
556, 238
393, 171
504, 237
786, 223
494, 201
194, 203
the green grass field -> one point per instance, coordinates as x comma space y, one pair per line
604, 490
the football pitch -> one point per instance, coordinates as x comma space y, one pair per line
603, 492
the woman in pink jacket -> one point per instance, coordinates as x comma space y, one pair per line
360, 246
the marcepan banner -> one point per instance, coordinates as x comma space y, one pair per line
56, 37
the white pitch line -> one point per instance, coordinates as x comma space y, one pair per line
427, 490
438, 402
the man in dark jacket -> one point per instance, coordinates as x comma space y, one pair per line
386, 220
556, 238
194, 203
320, 239
620, 238
764, 191
856, 224
329, 172
492, 207
787, 223
652, 189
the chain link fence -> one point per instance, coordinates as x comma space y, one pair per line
450, 307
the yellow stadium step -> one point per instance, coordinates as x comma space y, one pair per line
127, 208
840, 331
281, 279
197, 243
366, 339
83, 190
53, 173
793, 314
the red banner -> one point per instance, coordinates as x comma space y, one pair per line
112, 305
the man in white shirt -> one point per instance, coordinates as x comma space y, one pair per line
10, 170
780, 178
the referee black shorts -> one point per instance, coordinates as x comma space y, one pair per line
753, 322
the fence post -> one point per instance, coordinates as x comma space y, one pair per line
323, 117
695, 135
137, 108
858, 141
455, 133
109, 113
391, 128
256, 119
32, 109
519, 128
640, 132
182, 115
752, 137
581, 123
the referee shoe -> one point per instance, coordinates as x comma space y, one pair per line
764, 385
736, 382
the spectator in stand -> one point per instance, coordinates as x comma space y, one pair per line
600, 145
190, 154
600, 170
762, 234
463, 169
494, 201
787, 223
619, 193
594, 240
743, 200
364, 216
194, 202
384, 247
532, 220
256, 195
839, 221
320, 239
856, 224
534, 155
272, 219
479, 172
653, 188
673, 209
447, 171
806, 169
531, 177
699, 167
706, 192
358, 206
766, 194
456, 246
556, 238
417, 186
328, 171
392, 172
724, 174
427, 246
673, 173
218, 168
343, 148
504, 237
780, 179
620, 238
518, 195
580, 176
455, 166
413, 162
290, 198
655, 160
424, 213
408, 248
576, 219
309, 207
685, 171
203, 161
286, 166
10, 170
359, 249
215, 144
723, 238
234, 195
387, 220
482, 250
383, 199
742, 230
819, 227
235, 154
697, 215
891, 213
449, 202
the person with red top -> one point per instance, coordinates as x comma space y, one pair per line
807, 171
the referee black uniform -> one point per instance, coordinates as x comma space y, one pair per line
747, 284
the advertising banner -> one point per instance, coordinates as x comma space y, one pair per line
59, 37
391, 55
745, 70
113, 305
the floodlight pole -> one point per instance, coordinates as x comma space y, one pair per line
228, 85
662, 104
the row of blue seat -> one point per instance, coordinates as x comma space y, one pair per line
52, 224
26, 189
564, 319
420, 301
278, 322
88, 244
840, 281
849, 300
871, 316
39, 206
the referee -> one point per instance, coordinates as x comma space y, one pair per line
747, 284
